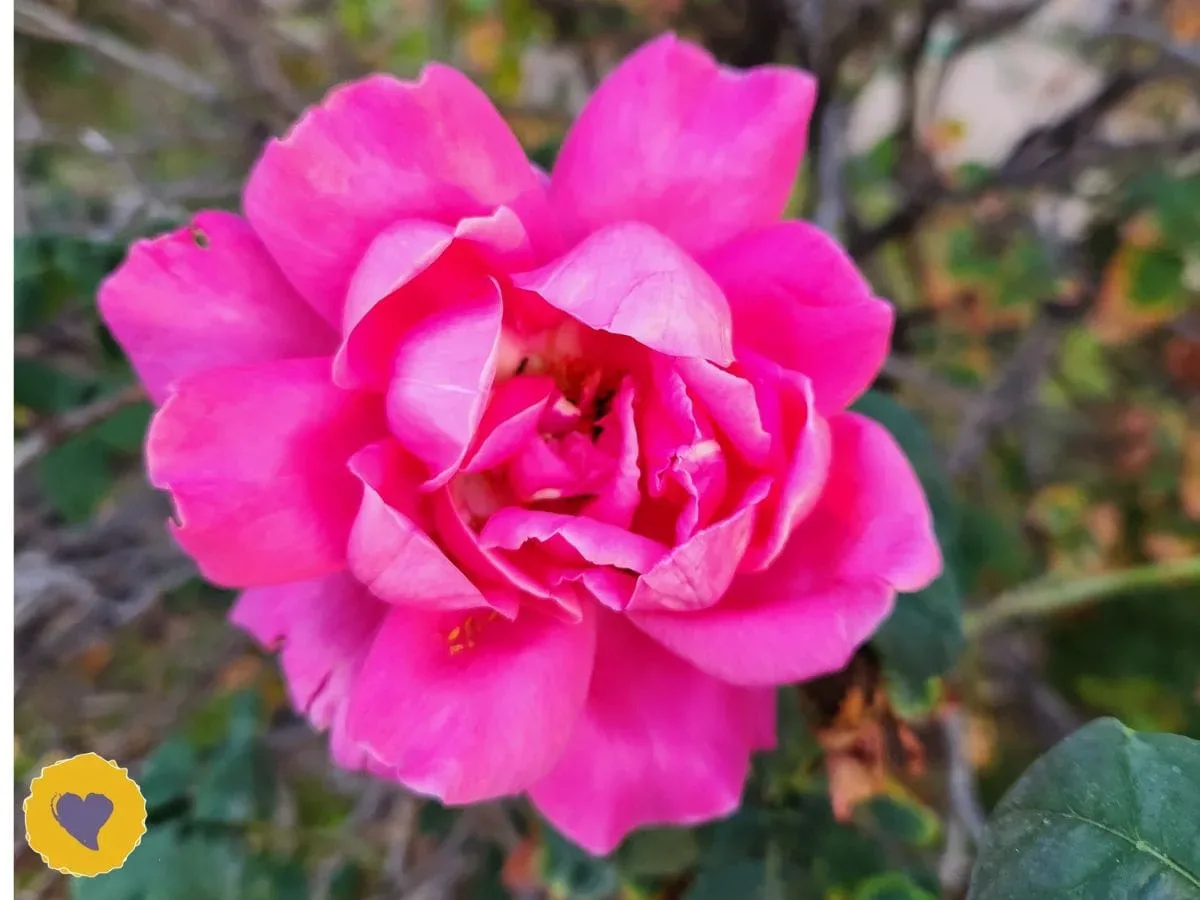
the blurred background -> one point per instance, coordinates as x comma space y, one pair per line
1021, 177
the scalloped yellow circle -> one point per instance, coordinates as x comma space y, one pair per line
81, 775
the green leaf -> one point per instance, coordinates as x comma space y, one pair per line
901, 817
267, 878
1157, 277
658, 853
125, 430
347, 882
923, 636
238, 784
46, 389
168, 772
570, 872
75, 476
746, 878
168, 865
891, 886
1108, 812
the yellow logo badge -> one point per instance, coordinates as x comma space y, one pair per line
84, 815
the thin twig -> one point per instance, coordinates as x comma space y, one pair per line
41, 21
831, 165
964, 795
1048, 596
1029, 162
71, 423
1009, 394
1187, 55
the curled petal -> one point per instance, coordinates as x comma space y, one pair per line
412, 270
803, 453
629, 279
696, 574
731, 403
442, 374
510, 421
573, 538
206, 296
697, 150
618, 499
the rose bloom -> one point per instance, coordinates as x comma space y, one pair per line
539, 484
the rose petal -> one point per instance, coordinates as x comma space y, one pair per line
803, 442
469, 708
869, 535
510, 421
770, 630
872, 520
413, 270
699, 151
392, 553
377, 151
731, 403
255, 459
659, 743
441, 376
202, 297
618, 499
552, 469
798, 299
696, 574
597, 543
322, 628
629, 279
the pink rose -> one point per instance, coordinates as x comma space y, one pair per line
538, 484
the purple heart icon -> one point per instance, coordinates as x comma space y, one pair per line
82, 817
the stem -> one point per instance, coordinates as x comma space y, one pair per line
1046, 595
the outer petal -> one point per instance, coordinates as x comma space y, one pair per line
870, 535
872, 520
659, 743
767, 631
441, 376
374, 152
206, 296
323, 629
699, 151
471, 708
798, 299
255, 459
629, 279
